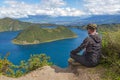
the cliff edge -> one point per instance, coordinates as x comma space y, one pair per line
56, 73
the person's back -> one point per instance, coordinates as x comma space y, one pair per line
93, 49
92, 46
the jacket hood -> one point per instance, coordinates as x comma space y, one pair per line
96, 38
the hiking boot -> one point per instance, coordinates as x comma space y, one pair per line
73, 62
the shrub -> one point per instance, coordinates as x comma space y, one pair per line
111, 51
5, 65
35, 61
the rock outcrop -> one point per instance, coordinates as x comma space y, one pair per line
56, 73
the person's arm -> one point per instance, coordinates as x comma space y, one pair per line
82, 46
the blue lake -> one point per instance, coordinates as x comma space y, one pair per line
59, 51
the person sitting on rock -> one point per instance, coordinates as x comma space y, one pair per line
92, 49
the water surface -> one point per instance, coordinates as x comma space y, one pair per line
58, 50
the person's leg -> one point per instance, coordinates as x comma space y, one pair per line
82, 60
79, 58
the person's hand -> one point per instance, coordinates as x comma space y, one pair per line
72, 52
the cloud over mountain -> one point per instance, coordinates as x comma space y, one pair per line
19, 9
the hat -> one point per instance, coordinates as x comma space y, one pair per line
92, 26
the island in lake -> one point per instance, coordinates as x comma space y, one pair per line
36, 35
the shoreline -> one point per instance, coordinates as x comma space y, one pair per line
35, 42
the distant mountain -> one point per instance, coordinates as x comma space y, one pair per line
99, 19
50, 19
8, 24
36, 35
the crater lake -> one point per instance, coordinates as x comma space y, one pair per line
59, 51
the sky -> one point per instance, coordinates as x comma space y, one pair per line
54, 8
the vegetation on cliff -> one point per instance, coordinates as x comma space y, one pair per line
34, 62
111, 52
35, 35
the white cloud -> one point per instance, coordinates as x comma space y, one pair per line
15, 9
100, 7
52, 3
19, 9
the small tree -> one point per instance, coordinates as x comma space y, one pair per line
37, 60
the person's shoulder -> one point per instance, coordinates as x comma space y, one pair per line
88, 37
98, 36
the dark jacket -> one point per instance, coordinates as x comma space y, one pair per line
92, 44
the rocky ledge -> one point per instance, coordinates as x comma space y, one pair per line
56, 73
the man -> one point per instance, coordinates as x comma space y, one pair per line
92, 47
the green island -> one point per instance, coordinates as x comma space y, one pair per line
36, 35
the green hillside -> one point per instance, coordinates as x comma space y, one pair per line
9, 24
35, 35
